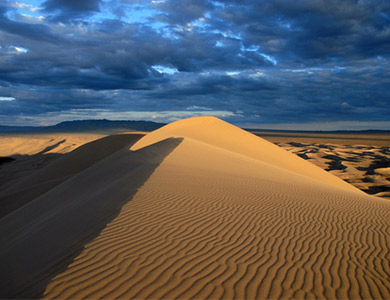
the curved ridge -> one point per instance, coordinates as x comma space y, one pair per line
214, 224
218, 133
196, 235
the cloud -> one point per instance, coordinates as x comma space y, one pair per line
39, 32
66, 10
181, 11
262, 61
314, 30
23, 6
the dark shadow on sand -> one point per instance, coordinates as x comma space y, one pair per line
52, 147
40, 239
4, 160
47, 170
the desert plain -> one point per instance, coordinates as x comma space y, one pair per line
198, 209
361, 159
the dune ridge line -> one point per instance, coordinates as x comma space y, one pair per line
222, 214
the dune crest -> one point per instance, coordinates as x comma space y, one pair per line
213, 222
218, 133
199, 213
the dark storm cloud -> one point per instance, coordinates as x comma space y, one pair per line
220, 85
93, 60
314, 30
30, 31
311, 95
182, 11
70, 9
114, 55
270, 61
34, 101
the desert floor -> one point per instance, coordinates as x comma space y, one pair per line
362, 160
198, 209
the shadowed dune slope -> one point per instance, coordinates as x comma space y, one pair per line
41, 238
78, 160
213, 223
221, 134
31, 144
41, 181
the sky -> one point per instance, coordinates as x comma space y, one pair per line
276, 64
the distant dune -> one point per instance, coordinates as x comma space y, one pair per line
365, 166
198, 209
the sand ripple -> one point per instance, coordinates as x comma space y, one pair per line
193, 232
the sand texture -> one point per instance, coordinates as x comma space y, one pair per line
19, 192
35, 151
198, 209
363, 166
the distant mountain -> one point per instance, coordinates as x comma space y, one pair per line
86, 125
367, 131
120, 126
15, 129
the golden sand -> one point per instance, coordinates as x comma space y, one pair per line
204, 210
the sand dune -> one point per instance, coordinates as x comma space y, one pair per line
45, 179
198, 209
39, 182
364, 166
40, 238
48, 143
215, 132
35, 151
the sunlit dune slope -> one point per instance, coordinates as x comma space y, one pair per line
39, 238
218, 133
190, 215
210, 223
